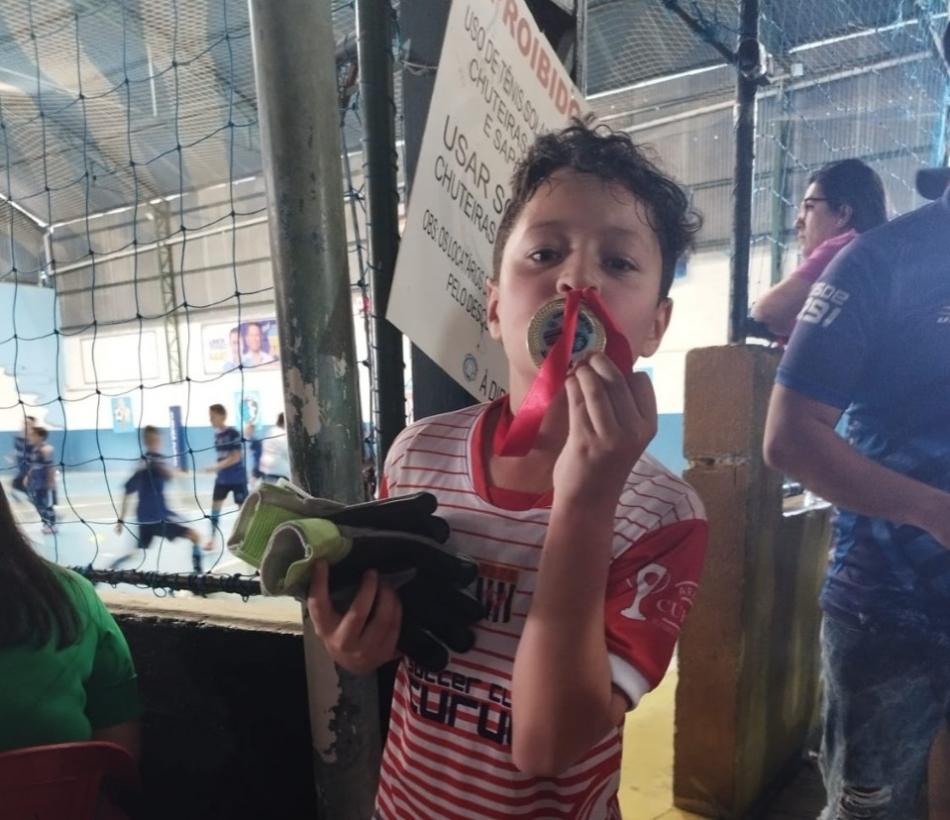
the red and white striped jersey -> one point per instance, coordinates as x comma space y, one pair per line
448, 753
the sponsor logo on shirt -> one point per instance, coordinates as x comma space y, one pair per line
495, 590
943, 317
468, 703
824, 304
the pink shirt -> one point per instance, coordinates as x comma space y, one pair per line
814, 266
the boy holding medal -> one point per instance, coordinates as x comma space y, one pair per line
589, 551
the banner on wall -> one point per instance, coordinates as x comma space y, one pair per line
176, 432
499, 84
122, 418
248, 406
227, 345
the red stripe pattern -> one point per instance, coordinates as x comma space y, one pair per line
448, 754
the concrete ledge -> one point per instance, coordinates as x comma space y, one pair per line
281, 615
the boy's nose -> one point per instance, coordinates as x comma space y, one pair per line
578, 277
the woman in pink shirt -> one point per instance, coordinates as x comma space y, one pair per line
842, 199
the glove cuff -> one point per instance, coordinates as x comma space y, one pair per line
267, 507
293, 549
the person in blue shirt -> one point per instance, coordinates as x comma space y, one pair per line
22, 456
154, 518
230, 474
874, 339
41, 477
255, 447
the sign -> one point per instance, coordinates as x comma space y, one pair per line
252, 344
122, 419
498, 86
176, 430
248, 404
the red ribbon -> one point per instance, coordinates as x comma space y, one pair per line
515, 436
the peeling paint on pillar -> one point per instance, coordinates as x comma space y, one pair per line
300, 150
306, 403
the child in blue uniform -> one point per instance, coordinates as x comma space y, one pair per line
154, 517
41, 477
22, 455
231, 476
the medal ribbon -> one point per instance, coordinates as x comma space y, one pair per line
515, 436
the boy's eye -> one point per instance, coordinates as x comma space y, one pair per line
544, 255
619, 264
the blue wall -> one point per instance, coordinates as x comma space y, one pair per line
667, 446
82, 449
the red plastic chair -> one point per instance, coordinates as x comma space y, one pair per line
63, 781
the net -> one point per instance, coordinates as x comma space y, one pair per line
135, 276
851, 79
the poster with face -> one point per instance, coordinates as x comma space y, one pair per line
254, 343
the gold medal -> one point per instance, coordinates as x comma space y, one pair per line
545, 330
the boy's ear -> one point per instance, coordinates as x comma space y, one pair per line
661, 321
494, 324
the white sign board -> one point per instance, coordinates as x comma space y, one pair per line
499, 84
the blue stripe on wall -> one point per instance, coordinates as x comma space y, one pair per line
667, 446
84, 448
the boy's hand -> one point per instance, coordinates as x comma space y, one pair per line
612, 417
364, 637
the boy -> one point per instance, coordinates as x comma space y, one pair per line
275, 460
255, 447
41, 477
589, 551
154, 517
230, 476
22, 455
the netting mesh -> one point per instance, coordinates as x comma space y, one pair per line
135, 277
133, 223
850, 79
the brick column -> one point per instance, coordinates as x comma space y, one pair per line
748, 657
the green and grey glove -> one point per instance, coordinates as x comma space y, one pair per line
401, 538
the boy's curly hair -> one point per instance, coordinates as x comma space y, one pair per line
615, 158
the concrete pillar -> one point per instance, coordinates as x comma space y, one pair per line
748, 657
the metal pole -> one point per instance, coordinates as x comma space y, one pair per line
300, 149
780, 190
748, 64
581, 18
378, 107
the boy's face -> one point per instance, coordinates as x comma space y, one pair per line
578, 231
152, 442
217, 420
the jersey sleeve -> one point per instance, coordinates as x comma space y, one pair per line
231, 441
132, 485
837, 331
650, 590
112, 694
